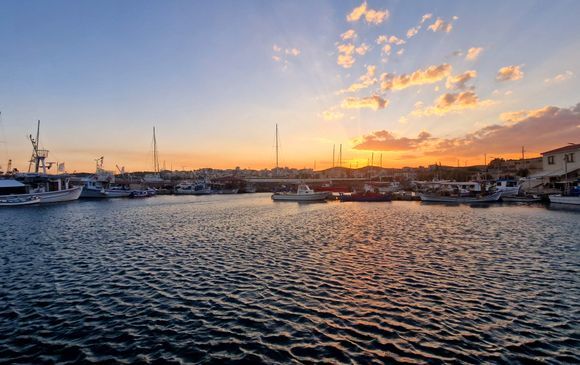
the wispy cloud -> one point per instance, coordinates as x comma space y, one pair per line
366, 80
282, 55
346, 55
429, 75
374, 102
371, 16
560, 77
473, 53
387, 141
332, 115
414, 30
362, 49
510, 73
440, 25
459, 81
349, 34
451, 102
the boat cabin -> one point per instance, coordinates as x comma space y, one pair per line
10, 187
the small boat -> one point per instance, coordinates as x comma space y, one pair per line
302, 194
508, 187
437, 198
140, 194
565, 199
188, 188
19, 201
367, 196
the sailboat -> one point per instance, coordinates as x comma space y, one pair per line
47, 188
154, 177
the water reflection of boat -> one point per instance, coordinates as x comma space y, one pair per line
19, 201
302, 194
367, 196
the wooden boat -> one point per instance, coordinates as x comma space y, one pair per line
19, 201
302, 194
437, 198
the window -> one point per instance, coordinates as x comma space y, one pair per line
550, 160
570, 157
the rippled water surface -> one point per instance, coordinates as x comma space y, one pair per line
244, 279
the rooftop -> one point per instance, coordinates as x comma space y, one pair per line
570, 147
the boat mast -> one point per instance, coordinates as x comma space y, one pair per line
37, 155
277, 150
155, 154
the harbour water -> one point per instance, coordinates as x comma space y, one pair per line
244, 279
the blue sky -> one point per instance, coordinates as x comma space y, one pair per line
101, 74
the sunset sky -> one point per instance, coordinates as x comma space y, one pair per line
418, 81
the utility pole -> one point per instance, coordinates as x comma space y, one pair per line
381, 160
372, 158
333, 150
340, 156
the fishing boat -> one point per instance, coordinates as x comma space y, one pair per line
369, 194
101, 184
565, 199
189, 188
571, 195
437, 198
508, 187
140, 194
19, 201
458, 192
303, 194
37, 183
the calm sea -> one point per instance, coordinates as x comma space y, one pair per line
243, 279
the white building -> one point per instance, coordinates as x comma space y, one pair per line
559, 166
562, 160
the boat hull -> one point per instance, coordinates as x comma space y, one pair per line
561, 199
112, 193
293, 197
192, 192
89, 193
19, 201
460, 200
52, 196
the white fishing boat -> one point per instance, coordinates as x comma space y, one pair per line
565, 199
302, 194
48, 188
508, 187
101, 184
189, 188
19, 201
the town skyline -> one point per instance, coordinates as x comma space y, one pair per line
419, 83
